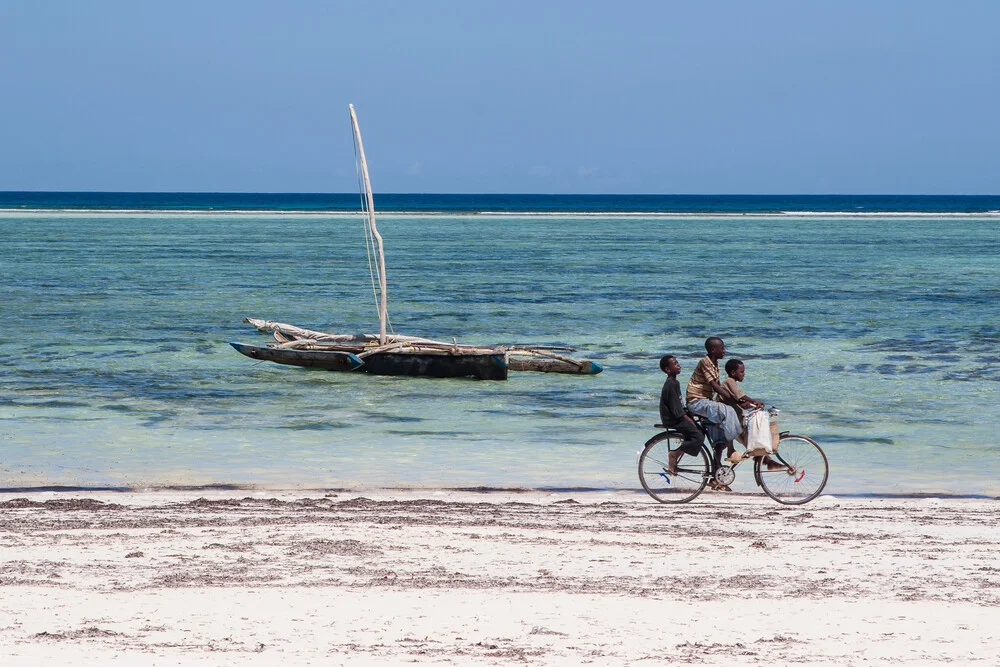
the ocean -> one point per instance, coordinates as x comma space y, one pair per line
872, 322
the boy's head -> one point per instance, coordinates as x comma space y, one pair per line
670, 365
715, 347
735, 369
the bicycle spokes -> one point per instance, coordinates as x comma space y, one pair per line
791, 485
656, 478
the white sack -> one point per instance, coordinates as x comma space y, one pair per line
759, 432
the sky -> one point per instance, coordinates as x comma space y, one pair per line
659, 97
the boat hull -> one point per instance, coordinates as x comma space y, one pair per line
327, 360
413, 364
479, 366
537, 365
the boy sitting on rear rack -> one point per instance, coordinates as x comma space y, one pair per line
674, 416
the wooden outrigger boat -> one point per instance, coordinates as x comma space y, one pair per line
388, 353
406, 355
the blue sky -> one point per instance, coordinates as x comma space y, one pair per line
561, 97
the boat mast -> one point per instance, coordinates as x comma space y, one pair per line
383, 308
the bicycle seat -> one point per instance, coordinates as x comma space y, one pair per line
668, 429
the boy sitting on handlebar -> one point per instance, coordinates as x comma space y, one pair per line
736, 371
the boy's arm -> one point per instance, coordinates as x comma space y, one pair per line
723, 391
752, 401
675, 411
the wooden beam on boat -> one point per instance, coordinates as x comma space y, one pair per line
292, 331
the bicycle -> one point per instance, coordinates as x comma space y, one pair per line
803, 477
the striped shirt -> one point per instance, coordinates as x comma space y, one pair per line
700, 384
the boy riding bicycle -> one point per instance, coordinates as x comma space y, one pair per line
703, 386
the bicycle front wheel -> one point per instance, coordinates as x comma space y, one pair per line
804, 475
692, 470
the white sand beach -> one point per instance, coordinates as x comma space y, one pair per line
472, 578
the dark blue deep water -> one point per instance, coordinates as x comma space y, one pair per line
506, 203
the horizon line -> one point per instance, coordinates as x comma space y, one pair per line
521, 194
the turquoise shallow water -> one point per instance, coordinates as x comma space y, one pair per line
879, 337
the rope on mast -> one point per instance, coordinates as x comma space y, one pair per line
369, 240
372, 230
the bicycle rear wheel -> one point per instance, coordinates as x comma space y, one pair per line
804, 477
692, 470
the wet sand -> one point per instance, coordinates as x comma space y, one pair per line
472, 578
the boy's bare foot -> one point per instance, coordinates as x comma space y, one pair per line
773, 465
734, 458
672, 459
